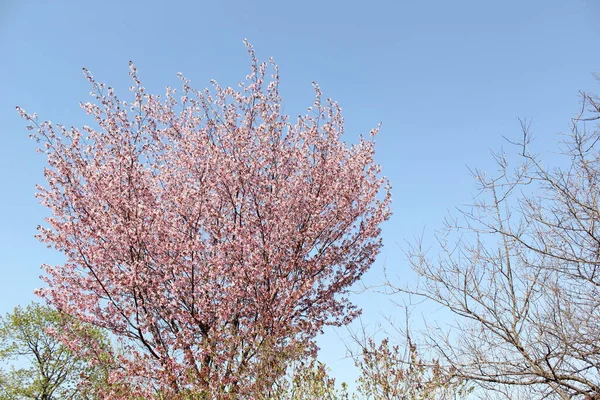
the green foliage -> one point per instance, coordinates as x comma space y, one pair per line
34, 364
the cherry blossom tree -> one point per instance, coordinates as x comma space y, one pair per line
207, 232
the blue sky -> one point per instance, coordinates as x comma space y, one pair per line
447, 79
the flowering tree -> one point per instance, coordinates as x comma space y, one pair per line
208, 233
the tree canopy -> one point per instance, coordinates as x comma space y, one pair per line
206, 231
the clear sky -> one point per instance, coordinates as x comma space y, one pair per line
447, 79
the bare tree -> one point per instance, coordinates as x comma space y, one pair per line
520, 272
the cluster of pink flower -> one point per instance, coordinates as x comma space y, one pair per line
207, 233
